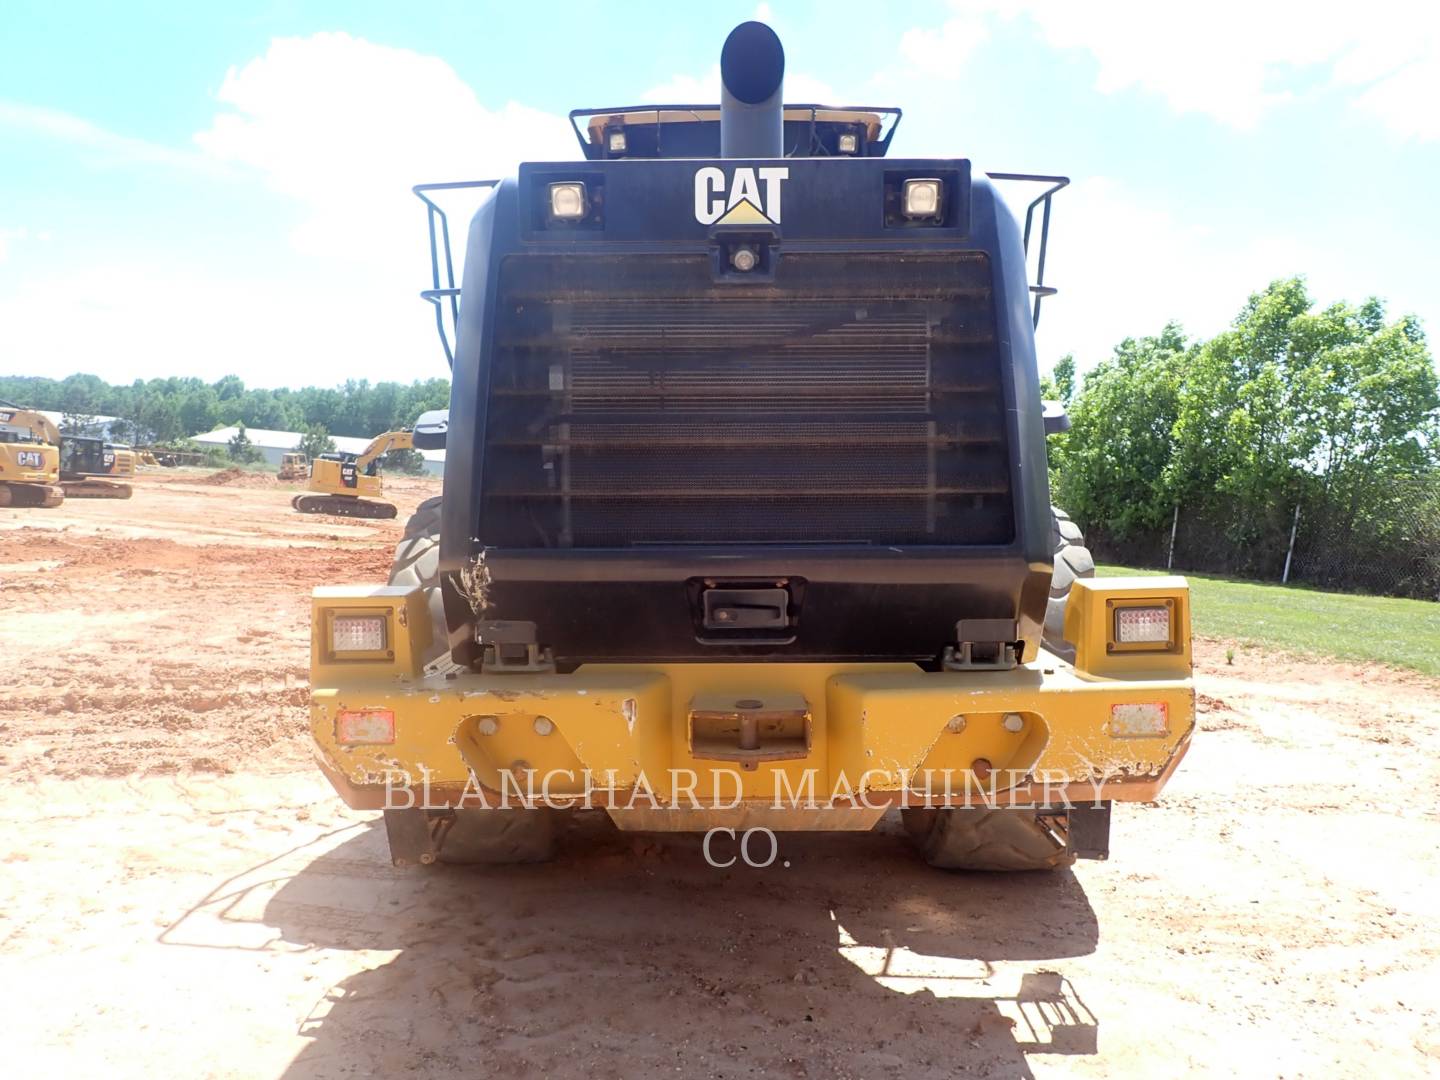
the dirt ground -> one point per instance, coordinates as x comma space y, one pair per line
181, 895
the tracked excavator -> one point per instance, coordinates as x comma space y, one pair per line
349, 484
86, 465
29, 459
123, 459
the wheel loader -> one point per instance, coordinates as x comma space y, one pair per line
349, 484
29, 459
746, 520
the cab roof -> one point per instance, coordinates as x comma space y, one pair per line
694, 130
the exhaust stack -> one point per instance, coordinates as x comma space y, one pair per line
752, 77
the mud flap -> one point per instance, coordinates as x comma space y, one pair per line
1089, 831
411, 841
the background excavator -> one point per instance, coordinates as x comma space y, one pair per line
84, 462
29, 459
349, 484
123, 459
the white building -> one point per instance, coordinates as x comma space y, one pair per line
100, 427
272, 444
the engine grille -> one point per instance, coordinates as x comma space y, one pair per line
856, 400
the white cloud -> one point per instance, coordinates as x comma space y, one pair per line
1233, 60
939, 52
105, 147
1125, 267
341, 128
135, 318
346, 127
7, 236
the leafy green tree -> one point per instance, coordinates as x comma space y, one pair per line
242, 449
230, 388
199, 410
1064, 378
1111, 471
1327, 407
409, 462
316, 441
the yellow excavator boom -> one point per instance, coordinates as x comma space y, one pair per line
383, 444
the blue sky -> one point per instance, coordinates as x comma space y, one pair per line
213, 189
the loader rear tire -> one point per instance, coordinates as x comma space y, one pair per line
975, 838
1072, 560
417, 564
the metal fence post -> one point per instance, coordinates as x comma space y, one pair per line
1290, 552
1174, 523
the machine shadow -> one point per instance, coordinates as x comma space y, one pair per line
629, 954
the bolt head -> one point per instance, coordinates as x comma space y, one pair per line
744, 259
1013, 722
488, 725
956, 724
544, 725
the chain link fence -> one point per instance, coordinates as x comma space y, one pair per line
1392, 549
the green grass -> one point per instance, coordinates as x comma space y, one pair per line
1384, 629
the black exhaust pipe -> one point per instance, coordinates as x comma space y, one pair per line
752, 76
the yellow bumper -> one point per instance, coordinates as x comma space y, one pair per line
691, 737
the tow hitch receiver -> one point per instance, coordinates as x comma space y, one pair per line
749, 729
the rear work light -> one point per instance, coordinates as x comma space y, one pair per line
357, 634
1147, 624
568, 201
924, 198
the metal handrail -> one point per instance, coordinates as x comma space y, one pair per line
443, 288
1039, 290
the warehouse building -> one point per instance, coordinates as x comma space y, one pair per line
272, 444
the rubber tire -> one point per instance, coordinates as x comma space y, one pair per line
417, 564
967, 838
1072, 560
478, 837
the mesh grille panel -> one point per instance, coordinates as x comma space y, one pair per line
635, 401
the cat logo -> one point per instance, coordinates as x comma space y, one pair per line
751, 198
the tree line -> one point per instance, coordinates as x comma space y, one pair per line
1327, 417
164, 411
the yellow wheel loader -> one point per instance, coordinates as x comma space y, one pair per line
293, 466
349, 484
29, 459
746, 521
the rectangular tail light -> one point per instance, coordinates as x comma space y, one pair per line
365, 727
1142, 625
